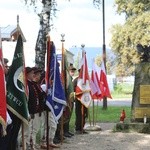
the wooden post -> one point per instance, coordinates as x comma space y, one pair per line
47, 81
93, 114
23, 141
82, 107
63, 81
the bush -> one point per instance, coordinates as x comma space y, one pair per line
122, 90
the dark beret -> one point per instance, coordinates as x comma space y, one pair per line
6, 60
28, 69
36, 69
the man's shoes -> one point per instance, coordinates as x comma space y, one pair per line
81, 132
66, 134
54, 145
84, 132
56, 140
44, 146
71, 133
78, 132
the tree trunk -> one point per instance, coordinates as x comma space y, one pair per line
40, 48
104, 103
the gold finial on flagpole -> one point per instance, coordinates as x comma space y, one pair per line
63, 51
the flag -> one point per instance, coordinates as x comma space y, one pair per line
69, 89
103, 82
94, 82
83, 84
16, 85
56, 100
2, 90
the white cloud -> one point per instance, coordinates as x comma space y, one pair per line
82, 22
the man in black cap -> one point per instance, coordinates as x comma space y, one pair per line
29, 76
36, 104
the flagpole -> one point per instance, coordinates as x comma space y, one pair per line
47, 80
93, 113
18, 26
63, 81
23, 141
104, 48
82, 107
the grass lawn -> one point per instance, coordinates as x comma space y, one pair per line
112, 114
122, 90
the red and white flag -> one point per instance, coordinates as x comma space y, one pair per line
103, 82
83, 84
2, 90
94, 82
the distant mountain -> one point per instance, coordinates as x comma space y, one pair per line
91, 52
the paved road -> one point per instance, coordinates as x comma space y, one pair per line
117, 102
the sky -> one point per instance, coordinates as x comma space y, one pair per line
79, 20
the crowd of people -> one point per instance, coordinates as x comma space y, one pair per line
37, 115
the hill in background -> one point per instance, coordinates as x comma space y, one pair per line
91, 52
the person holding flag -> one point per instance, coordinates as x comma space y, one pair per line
70, 71
83, 96
17, 94
5, 120
36, 104
56, 100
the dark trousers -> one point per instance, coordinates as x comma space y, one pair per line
57, 133
66, 124
9, 142
4, 140
16, 124
80, 116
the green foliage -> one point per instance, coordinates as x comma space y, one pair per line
109, 63
125, 38
118, 88
122, 90
133, 7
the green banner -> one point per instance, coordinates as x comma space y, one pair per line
69, 89
16, 85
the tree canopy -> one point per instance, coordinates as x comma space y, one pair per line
125, 38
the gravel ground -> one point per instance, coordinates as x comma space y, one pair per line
107, 140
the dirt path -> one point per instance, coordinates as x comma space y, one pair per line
107, 140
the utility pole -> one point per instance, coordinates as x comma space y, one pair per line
104, 48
